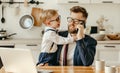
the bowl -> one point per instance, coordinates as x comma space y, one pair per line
113, 36
98, 37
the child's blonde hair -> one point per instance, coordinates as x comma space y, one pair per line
47, 14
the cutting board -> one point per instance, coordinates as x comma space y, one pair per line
36, 15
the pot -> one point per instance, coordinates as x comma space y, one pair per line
26, 22
4, 35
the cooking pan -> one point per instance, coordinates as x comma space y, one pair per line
26, 22
3, 37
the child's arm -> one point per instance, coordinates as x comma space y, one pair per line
59, 39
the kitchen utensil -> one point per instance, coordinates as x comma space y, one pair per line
26, 21
3, 32
6, 36
11, 2
26, 3
35, 13
3, 19
17, 10
32, 1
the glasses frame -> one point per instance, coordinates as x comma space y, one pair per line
57, 19
76, 21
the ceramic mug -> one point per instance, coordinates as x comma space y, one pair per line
110, 69
99, 65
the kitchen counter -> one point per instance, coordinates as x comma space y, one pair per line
33, 41
109, 42
20, 41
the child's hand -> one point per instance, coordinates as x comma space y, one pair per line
74, 36
43, 64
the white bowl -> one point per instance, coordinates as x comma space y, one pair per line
98, 37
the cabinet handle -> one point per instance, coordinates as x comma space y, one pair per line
73, 2
31, 44
107, 1
110, 46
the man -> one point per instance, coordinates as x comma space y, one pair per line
82, 51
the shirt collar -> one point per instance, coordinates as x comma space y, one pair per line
46, 28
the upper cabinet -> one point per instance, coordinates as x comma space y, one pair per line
86, 1
73, 1
105, 1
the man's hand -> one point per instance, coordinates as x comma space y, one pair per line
80, 33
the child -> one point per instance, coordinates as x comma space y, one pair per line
51, 19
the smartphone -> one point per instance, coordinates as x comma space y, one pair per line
82, 23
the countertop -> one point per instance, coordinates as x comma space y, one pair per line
38, 41
21, 41
109, 42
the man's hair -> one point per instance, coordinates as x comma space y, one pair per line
47, 14
77, 9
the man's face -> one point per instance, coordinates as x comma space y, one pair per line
74, 20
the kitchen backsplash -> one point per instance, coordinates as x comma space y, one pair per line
12, 14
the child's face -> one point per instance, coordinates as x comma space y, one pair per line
55, 21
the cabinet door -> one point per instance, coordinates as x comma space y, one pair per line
35, 48
108, 52
105, 1
84, 1
73, 1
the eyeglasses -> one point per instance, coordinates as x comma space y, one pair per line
57, 19
76, 21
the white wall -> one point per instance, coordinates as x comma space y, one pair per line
110, 11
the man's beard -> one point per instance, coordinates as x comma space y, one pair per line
72, 31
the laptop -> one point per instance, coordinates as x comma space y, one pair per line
18, 60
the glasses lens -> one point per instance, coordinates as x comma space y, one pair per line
69, 19
82, 22
75, 21
58, 18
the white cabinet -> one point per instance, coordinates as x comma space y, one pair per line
35, 48
105, 1
108, 52
72, 1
